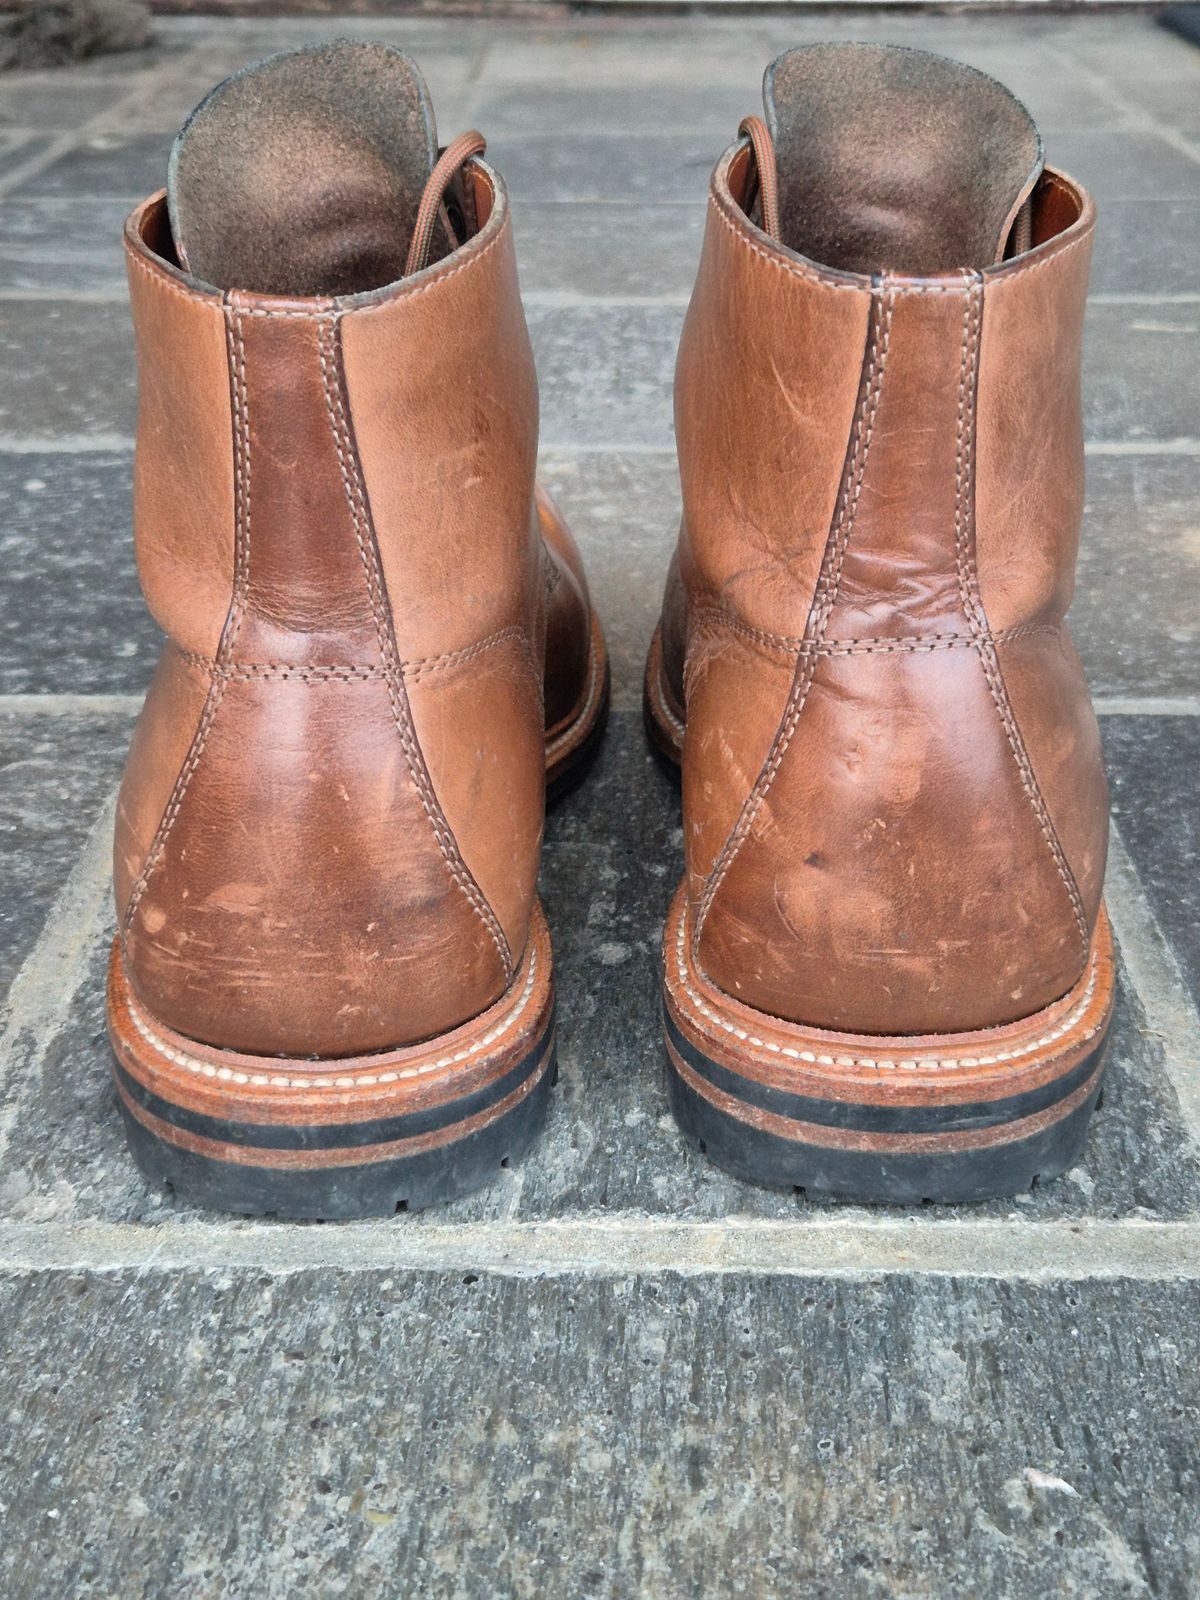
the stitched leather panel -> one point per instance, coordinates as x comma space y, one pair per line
183, 466
304, 892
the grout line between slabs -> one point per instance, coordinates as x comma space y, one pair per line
1155, 975
57, 965
133, 98
1150, 705
1136, 117
843, 1245
67, 705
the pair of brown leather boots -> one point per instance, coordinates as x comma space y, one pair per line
887, 972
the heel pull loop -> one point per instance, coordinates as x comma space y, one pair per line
455, 155
755, 129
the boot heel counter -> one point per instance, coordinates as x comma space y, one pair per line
896, 877
294, 897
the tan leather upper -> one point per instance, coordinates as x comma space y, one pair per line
330, 823
895, 808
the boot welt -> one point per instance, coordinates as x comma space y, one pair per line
950, 1117
361, 1136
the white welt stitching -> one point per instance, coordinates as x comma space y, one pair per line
924, 1063
276, 1081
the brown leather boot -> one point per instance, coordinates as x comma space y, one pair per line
888, 969
331, 993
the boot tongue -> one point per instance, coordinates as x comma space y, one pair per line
897, 160
302, 175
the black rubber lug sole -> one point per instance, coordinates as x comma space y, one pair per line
960, 1176
345, 1193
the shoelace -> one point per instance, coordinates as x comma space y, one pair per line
455, 155
755, 129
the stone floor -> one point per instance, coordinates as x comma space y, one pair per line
617, 1372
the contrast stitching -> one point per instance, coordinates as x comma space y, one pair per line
364, 1081
878, 644
972, 602
902, 1064
826, 594
236, 348
420, 666
360, 517
349, 671
314, 672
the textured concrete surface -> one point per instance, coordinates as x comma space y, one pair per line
199, 1434
617, 1372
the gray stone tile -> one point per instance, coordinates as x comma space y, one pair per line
392, 1432
1134, 614
1172, 98
672, 167
615, 249
714, 110
1139, 372
605, 374
1153, 770
663, 52
1126, 165
16, 147
624, 513
1134, 52
56, 245
69, 368
611, 863
126, 166
53, 107
127, 68
55, 774
1145, 247
74, 621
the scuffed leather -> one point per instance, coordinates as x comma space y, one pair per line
894, 804
331, 818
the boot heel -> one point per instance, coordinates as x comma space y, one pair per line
364, 1136
953, 1117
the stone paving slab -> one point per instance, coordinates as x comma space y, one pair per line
55, 775
1154, 772
392, 1432
74, 620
